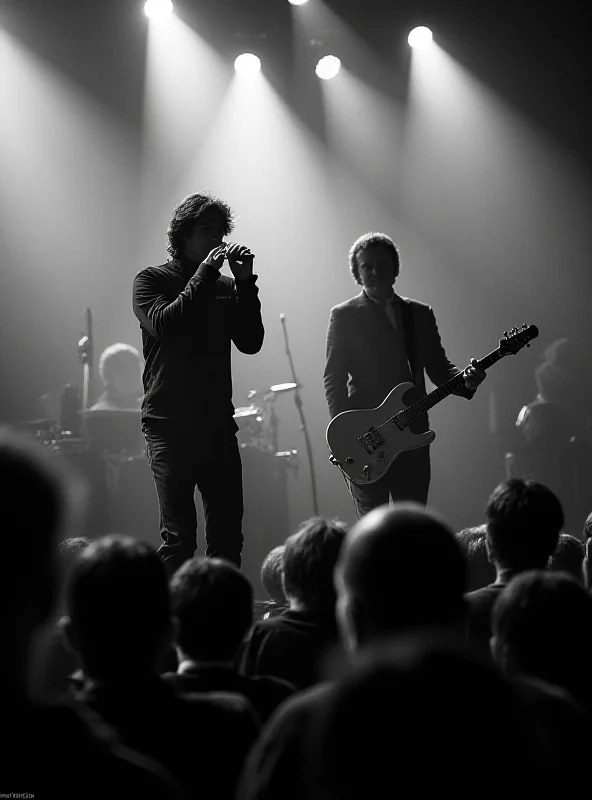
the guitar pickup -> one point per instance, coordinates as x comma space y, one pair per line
371, 440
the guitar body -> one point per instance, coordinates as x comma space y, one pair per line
365, 459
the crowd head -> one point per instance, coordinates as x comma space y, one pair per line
309, 561
400, 568
541, 624
213, 605
407, 714
35, 504
272, 575
480, 570
119, 607
524, 520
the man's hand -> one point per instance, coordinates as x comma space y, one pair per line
240, 260
215, 257
473, 375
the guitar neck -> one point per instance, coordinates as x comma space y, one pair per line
454, 384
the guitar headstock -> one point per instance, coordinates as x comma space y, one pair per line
513, 341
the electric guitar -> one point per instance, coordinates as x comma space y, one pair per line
364, 443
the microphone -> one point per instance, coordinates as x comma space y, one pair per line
283, 319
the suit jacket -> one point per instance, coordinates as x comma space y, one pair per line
360, 370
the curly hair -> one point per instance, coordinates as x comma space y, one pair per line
367, 240
188, 212
118, 353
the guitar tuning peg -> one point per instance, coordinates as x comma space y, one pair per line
505, 334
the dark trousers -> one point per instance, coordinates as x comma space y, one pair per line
180, 461
408, 479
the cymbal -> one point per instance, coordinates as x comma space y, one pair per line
283, 387
246, 411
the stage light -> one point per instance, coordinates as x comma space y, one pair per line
328, 67
158, 9
297, 2
420, 38
247, 64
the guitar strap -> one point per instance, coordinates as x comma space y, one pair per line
409, 338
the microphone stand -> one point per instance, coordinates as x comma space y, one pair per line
303, 428
85, 356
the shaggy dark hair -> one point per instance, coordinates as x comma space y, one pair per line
213, 603
310, 556
365, 241
186, 215
524, 520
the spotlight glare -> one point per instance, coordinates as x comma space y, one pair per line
158, 9
247, 64
328, 67
420, 38
297, 2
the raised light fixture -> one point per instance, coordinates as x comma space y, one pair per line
328, 67
158, 9
420, 38
247, 64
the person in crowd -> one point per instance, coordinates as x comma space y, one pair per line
587, 566
213, 607
190, 315
524, 520
272, 578
554, 431
568, 556
399, 570
120, 625
542, 628
481, 571
375, 341
292, 645
36, 502
402, 575
56, 664
588, 527
405, 714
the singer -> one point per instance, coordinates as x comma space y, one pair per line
189, 314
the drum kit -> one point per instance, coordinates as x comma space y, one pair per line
258, 422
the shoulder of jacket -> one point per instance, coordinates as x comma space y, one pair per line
347, 305
416, 305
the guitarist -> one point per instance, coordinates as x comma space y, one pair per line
375, 341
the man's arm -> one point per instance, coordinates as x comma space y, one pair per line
437, 365
247, 326
336, 370
161, 317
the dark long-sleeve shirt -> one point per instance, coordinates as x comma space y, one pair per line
187, 329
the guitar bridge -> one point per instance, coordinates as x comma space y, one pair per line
371, 441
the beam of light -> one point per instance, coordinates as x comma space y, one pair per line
247, 64
420, 38
297, 2
328, 67
158, 9
182, 96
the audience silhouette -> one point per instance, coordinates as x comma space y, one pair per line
213, 606
121, 626
383, 654
36, 502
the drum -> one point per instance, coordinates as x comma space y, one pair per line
250, 425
